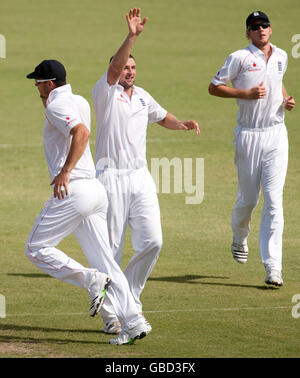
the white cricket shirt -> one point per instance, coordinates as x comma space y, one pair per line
122, 125
64, 110
247, 68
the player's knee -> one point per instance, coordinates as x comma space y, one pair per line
273, 200
251, 206
156, 244
248, 206
273, 213
248, 202
28, 250
151, 246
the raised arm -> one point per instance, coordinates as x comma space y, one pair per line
135, 26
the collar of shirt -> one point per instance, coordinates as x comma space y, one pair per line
121, 89
256, 51
57, 91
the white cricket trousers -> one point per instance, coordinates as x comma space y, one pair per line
261, 158
83, 213
133, 201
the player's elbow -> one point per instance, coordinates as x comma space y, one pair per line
86, 133
212, 89
85, 136
81, 131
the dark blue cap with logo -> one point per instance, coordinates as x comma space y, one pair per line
257, 15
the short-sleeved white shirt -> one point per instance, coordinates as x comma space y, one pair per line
247, 68
122, 125
64, 110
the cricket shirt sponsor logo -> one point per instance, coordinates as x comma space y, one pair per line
253, 67
122, 99
279, 66
69, 121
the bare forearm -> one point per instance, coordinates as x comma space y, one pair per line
135, 27
284, 92
79, 142
120, 59
80, 139
227, 92
171, 122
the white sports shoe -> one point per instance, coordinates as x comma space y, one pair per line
240, 252
98, 291
113, 327
273, 277
147, 324
129, 336
148, 327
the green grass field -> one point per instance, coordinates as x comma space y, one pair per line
199, 301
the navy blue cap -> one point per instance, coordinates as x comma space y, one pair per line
49, 69
257, 15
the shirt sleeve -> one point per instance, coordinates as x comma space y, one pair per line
102, 91
63, 116
228, 72
156, 113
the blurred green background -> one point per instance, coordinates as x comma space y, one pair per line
199, 301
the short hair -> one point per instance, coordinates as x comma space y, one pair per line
130, 56
59, 83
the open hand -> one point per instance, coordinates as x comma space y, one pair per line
135, 25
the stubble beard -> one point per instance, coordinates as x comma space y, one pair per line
126, 85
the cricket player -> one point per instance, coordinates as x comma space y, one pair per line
260, 140
123, 112
78, 204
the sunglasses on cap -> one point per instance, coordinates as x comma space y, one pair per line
264, 25
44, 80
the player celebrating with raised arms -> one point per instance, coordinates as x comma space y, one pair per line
78, 204
123, 112
261, 141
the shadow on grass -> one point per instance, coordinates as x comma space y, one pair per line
30, 275
187, 278
37, 340
190, 279
18, 327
